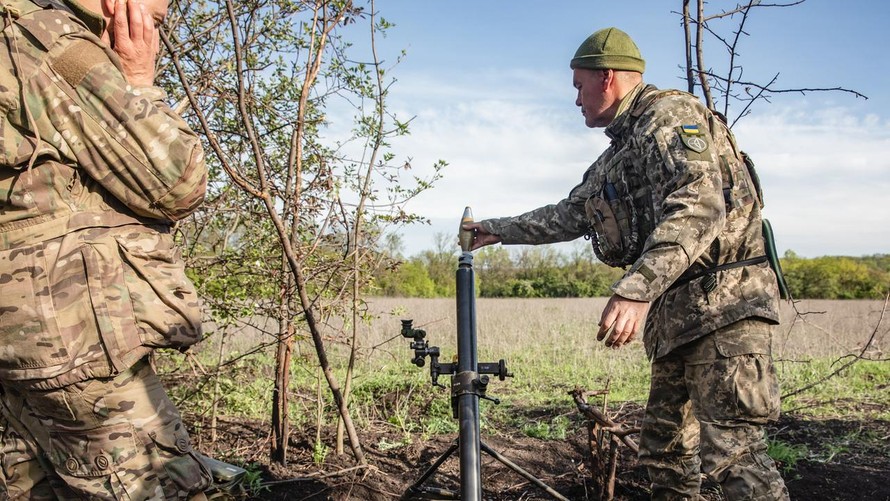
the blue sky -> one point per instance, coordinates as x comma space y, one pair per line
489, 88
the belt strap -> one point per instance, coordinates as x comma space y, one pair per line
723, 267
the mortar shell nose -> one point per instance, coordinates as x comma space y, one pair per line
465, 237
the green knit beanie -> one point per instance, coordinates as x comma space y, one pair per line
609, 49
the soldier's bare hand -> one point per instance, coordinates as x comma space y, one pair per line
481, 237
136, 41
621, 320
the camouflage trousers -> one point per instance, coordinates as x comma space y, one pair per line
708, 403
111, 439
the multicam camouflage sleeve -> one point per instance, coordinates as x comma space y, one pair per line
125, 138
93, 171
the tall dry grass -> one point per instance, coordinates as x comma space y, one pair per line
552, 327
827, 328
562, 331
550, 343
550, 346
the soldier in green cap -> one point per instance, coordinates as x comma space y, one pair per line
94, 170
674, 203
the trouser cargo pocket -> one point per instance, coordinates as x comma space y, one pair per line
102, 463
113, 463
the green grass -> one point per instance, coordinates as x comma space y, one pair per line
785, 454
546, 428
858, 392
400, 395
550, 348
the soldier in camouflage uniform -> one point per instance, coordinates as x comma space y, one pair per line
674, 202
94, 169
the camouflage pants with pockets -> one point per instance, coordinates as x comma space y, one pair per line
115, 439
708, 403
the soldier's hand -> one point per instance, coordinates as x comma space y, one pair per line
136, 40
481, 237
622, 319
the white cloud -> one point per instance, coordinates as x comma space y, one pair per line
826, 174
508, 151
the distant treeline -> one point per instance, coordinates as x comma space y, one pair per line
545, 272
837, 277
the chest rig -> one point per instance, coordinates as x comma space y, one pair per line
620, 209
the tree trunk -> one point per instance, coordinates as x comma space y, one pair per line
280, 420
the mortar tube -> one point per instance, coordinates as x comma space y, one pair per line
468, 399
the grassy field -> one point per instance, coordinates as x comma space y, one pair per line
549, 345
839, 423
809, 328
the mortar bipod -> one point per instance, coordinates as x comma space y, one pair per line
473, 384
461, 383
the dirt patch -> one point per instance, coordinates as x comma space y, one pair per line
840, 460
846, 459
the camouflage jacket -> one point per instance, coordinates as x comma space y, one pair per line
92, 173
676, 185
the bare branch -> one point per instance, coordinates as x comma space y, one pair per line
699, 51
752, 3
726, 85
690, 76
732, 55
607, 424
801, 90
853, 358
754, 98
208, 132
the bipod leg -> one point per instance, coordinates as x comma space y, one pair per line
526, 475
417, 489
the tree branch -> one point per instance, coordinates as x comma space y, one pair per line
855, 357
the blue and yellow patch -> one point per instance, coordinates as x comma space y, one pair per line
695, 140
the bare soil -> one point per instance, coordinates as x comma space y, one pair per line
845, 460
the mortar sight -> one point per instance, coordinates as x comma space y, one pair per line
409, 332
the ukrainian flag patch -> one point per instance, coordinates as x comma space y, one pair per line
695, 140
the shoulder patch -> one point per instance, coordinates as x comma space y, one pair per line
77, 60
692, 138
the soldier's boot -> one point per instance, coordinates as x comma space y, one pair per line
753, 477
674, 484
